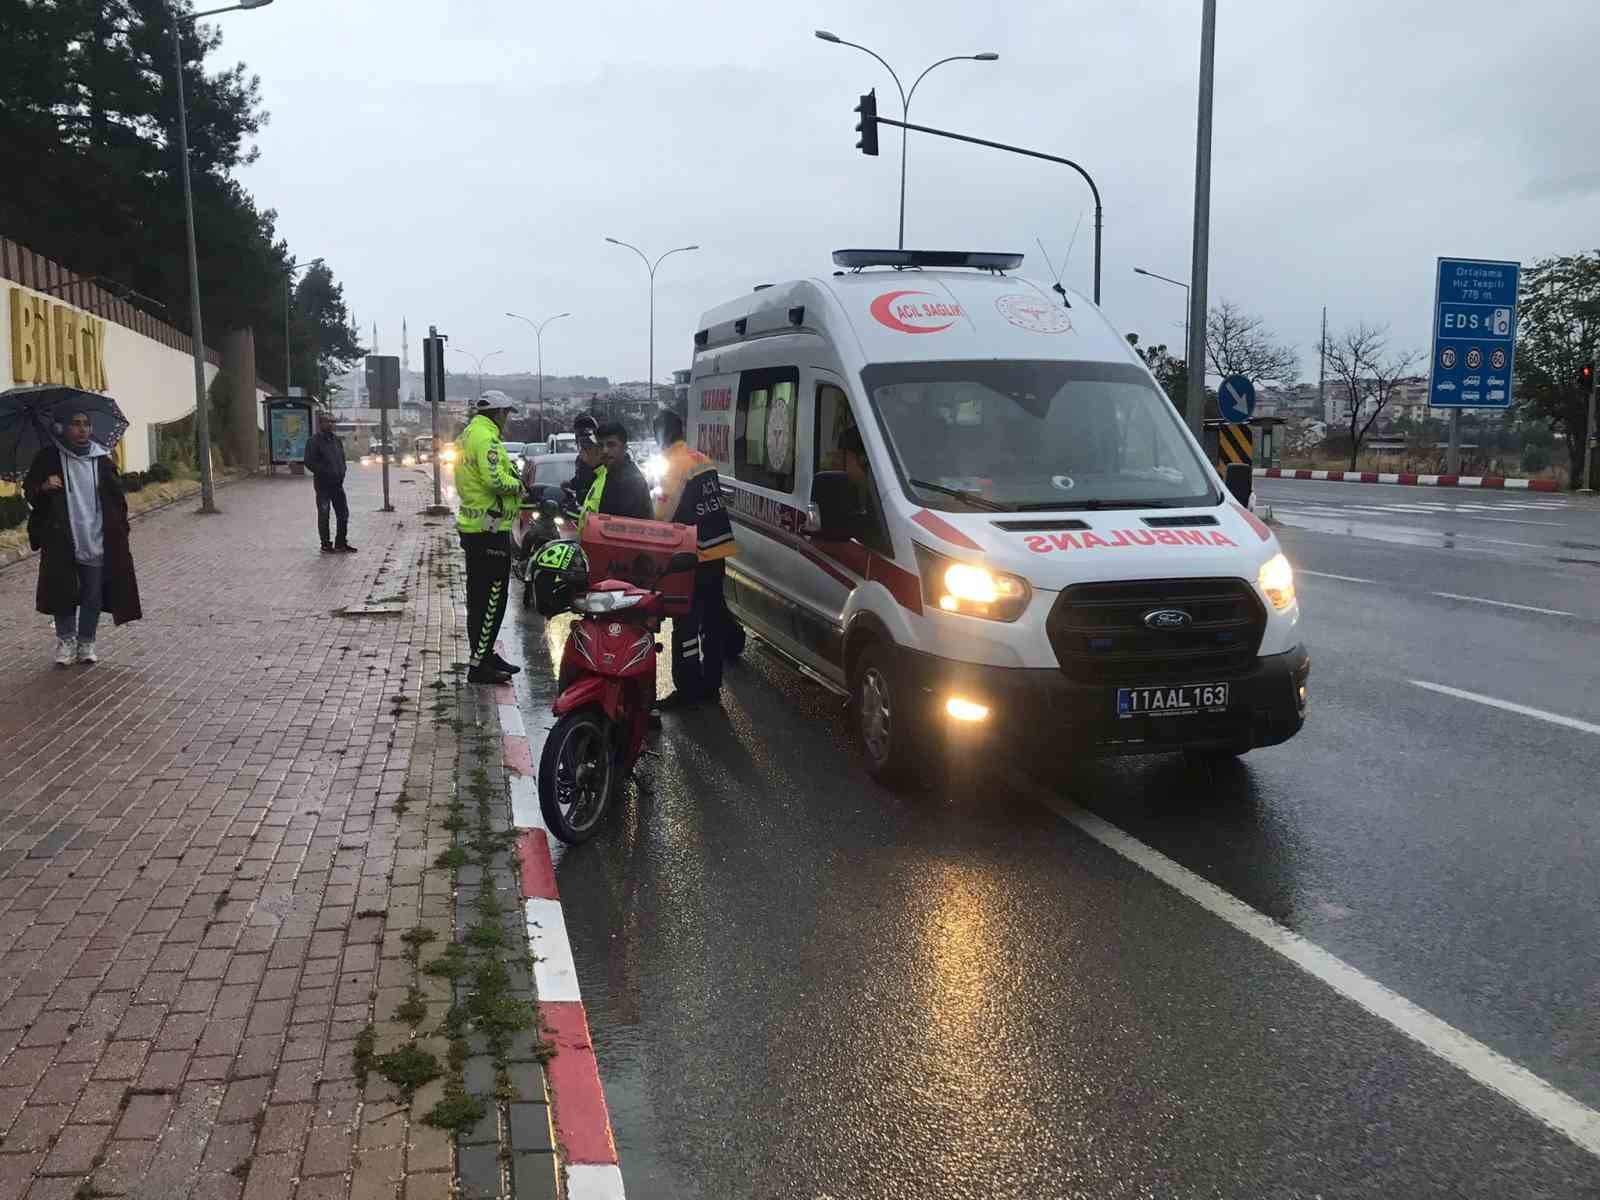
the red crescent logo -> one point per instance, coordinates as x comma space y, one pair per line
882, 314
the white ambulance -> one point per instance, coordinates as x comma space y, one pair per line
961, 497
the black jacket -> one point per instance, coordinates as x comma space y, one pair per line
325, 456
50, 533
627, 493
581, 482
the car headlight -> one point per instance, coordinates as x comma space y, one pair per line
971, 589
1276, 578
655, 468
605, 602
409, 460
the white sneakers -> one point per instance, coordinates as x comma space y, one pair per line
70, 650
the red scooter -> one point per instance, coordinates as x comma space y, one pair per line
606, 686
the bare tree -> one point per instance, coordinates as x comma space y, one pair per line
1361, 361
1239, 343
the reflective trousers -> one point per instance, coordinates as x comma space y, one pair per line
488, 577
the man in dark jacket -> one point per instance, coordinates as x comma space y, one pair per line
619, 489
583, 428
325, 460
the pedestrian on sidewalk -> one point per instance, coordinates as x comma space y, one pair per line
79, 524
490, 492
325, 460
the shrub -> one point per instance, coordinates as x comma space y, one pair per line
158, 473
13, 511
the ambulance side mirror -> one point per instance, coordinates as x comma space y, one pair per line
1241, 481
829, 513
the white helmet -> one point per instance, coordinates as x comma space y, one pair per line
493, 400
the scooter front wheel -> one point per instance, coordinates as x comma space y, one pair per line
576, 771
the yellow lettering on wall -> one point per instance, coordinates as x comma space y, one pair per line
24, 357
56, 343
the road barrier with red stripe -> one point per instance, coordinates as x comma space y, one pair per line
1411, 480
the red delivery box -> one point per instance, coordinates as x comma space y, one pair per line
637, 552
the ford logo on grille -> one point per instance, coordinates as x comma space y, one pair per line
1168, 618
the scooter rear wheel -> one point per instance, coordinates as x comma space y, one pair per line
576, 774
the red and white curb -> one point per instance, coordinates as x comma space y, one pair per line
588, 1150
1410, 480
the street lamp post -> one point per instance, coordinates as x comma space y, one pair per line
905, 102
289, 273
1195, 401
538, 333
478, 361
202, 418
1185, 287
651, 267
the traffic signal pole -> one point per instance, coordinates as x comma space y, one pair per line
977, 141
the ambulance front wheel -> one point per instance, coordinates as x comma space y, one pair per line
892, 736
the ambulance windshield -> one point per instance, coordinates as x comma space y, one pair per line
1035, 436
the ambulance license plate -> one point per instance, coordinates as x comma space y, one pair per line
1172, 701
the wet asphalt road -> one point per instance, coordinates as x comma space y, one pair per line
802, 985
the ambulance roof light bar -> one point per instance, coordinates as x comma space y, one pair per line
980, 260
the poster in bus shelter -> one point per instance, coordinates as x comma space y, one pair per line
289, 427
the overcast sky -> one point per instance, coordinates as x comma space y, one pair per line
456, 159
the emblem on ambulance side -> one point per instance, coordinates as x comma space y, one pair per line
1029, 312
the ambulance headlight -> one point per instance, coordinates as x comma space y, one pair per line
971, 589
1276, 578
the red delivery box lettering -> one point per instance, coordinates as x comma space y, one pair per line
638, 552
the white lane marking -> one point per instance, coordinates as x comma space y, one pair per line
1331, 575
511, 721
554, 975
592, 1181
1510, 706
1554, 612
525, 812
1563, 1113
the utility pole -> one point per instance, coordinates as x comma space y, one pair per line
1322, 366
1195, 405
1589, 430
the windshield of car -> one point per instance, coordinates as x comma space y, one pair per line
553, 468
1035, 435
515, 447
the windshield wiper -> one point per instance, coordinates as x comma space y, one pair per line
971, 498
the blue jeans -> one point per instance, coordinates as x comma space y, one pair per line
90, 579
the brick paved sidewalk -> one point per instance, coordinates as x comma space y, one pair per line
207, 857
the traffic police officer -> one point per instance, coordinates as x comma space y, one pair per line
489, 491
691, 494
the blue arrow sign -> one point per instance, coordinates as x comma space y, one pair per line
1236, 400
1474, 333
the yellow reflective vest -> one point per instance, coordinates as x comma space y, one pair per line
486, 479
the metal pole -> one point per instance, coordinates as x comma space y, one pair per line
1195, 401
650, 389
383, 432
1055, 158
1322, 366
287, 276
539, 339
1589, 430
202, 418
434, 384
1452, 455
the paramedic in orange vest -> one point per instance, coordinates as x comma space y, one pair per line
691, 494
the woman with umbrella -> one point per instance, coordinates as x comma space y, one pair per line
79, 517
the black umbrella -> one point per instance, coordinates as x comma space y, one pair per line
32, 417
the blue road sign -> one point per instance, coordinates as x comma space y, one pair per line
1474, 333
1236, 400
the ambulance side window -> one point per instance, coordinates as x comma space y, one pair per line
834, 418
764, 428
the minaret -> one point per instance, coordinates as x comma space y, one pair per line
405, 364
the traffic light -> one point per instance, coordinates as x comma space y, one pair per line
867, 127
1586, 376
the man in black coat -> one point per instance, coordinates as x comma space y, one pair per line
325, 460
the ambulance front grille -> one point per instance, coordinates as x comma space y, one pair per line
1099, 634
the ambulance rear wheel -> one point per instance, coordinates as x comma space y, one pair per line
892, 737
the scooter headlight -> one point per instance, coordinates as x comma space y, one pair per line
605, 602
